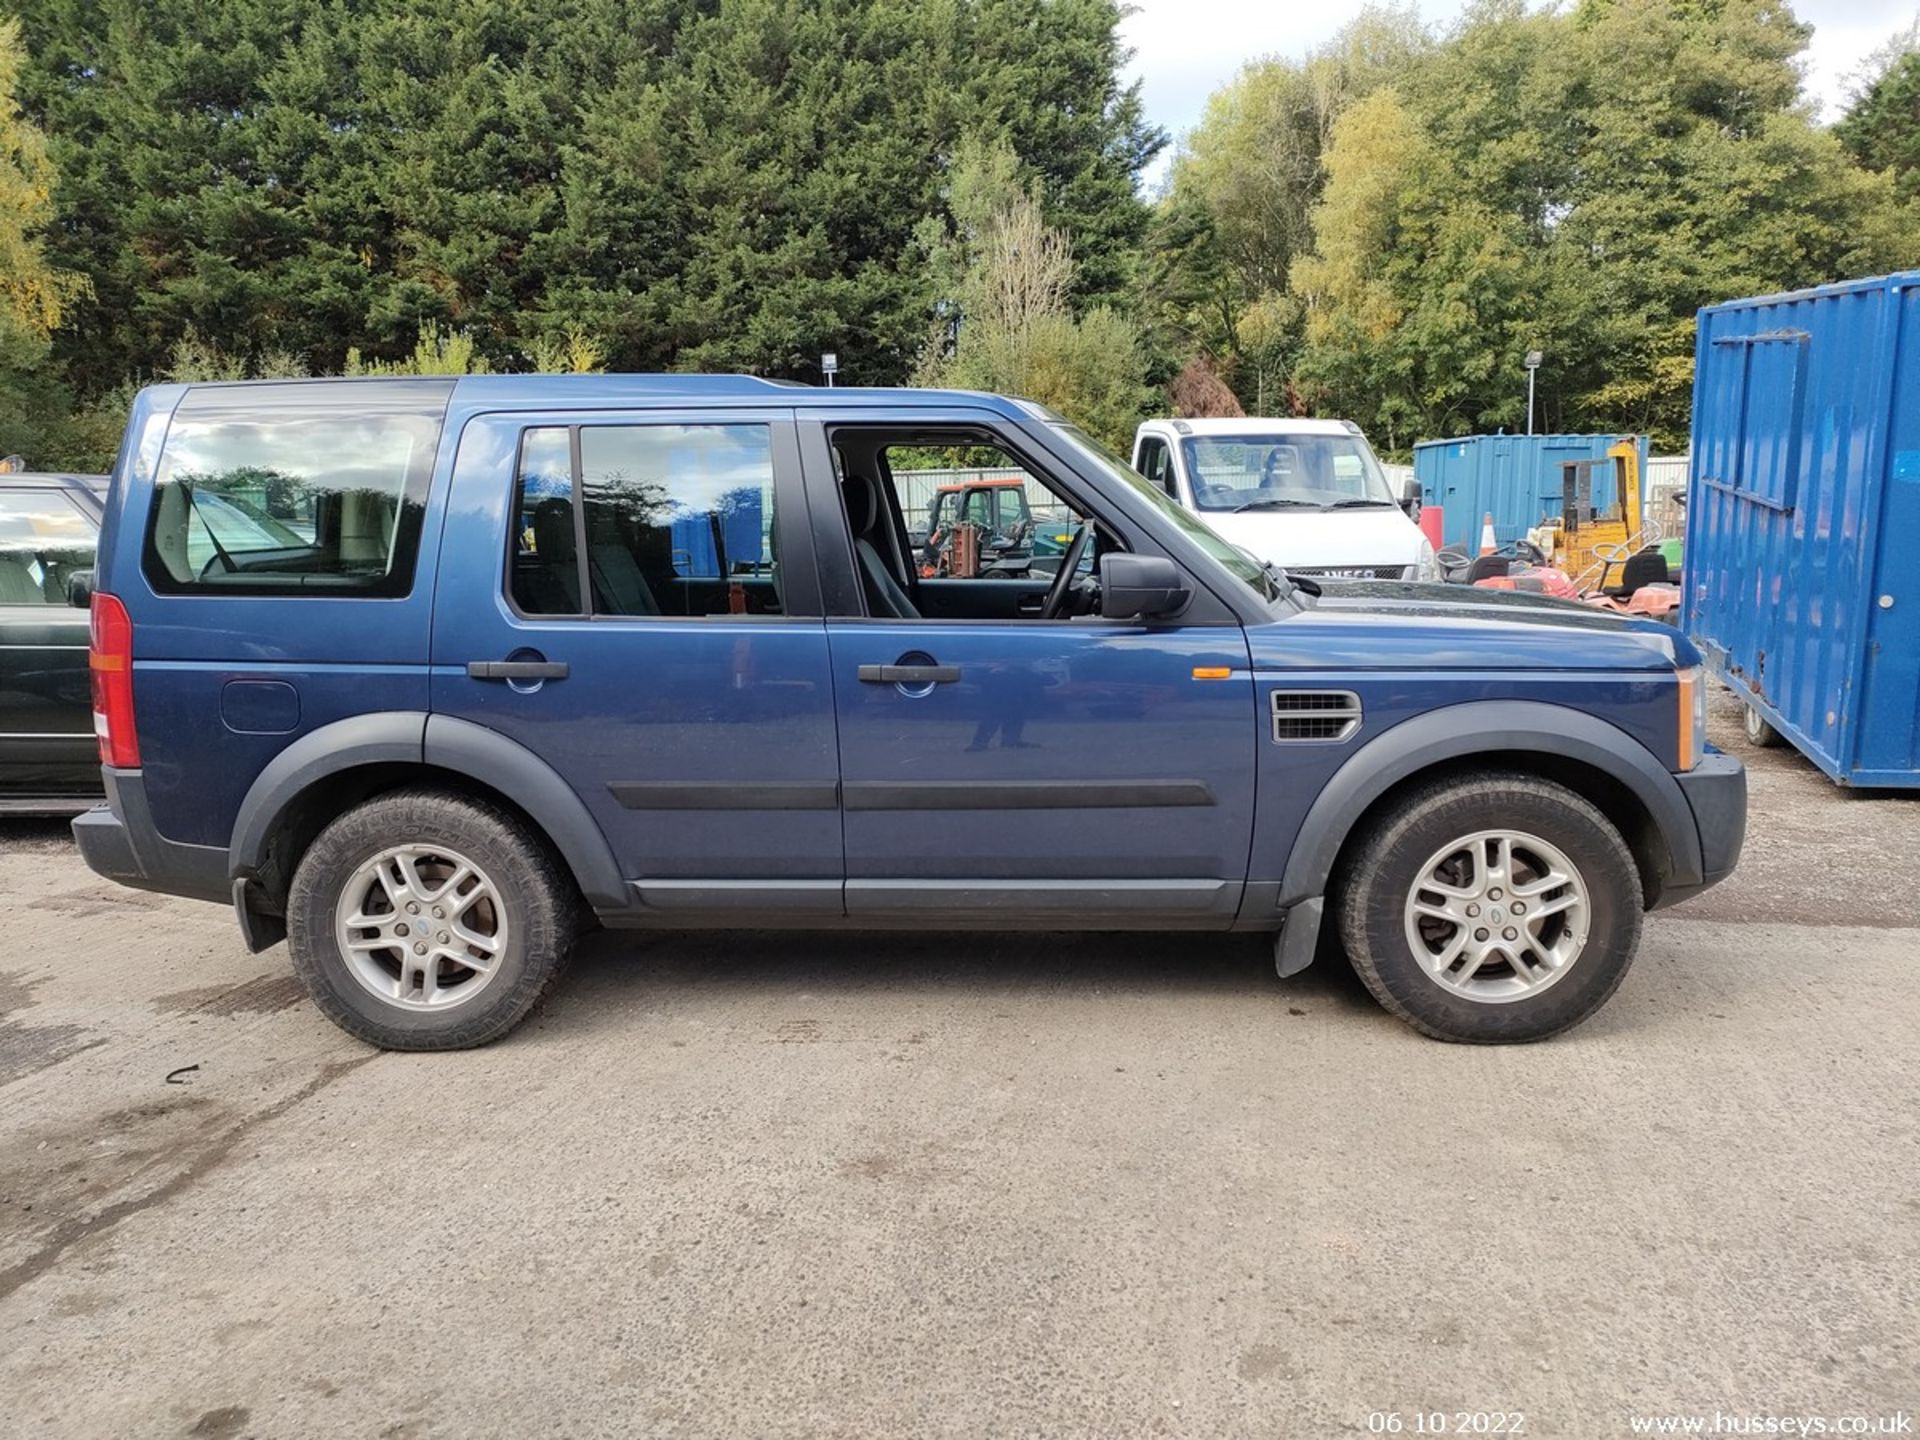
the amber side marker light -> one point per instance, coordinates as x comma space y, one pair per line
1213, 672
1692, 689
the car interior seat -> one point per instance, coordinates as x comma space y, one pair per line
619, 587
553, 581
17, 585
886, 595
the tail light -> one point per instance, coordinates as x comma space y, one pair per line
110, 658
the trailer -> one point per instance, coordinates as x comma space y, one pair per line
1802, 574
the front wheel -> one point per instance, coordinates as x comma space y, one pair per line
1490, 908
428, 921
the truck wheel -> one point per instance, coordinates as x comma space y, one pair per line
1759, 732
1490, 909
428, 921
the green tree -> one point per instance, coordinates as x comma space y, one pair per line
1012, 303
1580, 183
1243, 188
702, 186
1881, 129
435, 352
35, 293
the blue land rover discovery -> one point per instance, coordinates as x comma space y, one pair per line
425, 675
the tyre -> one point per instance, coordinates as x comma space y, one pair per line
1490, 908
1759, 732
423, 920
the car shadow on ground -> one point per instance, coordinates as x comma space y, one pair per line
608, 964
39, 833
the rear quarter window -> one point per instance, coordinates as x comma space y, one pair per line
291, 489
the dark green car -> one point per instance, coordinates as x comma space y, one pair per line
49, 760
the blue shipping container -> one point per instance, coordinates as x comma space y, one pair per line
1515, 478
1803, 519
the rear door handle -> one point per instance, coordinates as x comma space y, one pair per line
516, 669
909, 674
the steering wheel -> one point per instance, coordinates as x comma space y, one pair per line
1614, 554
1056, 600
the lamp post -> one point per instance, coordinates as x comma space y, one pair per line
1534, 357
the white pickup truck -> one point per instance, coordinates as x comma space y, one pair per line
1307, 495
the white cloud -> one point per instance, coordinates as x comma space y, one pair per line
1184, 50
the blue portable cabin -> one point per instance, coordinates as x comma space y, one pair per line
1515, 478
1803, 528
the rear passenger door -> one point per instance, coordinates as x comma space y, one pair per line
632, 596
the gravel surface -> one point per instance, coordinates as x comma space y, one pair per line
873, 1185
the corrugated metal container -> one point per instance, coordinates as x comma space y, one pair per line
1515, 478
1803, 523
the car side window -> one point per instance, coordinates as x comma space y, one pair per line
294, 489
544, 570
675, 521
44, 538
975, 512
1156, 463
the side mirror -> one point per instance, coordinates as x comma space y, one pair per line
80, 589
1410, 499
1140, 585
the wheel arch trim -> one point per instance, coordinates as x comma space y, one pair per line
1493, 730
442, 742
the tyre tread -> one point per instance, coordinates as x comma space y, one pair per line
1355, 896
547, 892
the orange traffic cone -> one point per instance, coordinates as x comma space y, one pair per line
1488, 544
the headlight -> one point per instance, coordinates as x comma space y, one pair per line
1693, 716
1426, 567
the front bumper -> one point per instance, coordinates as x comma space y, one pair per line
118, 840
1716, 791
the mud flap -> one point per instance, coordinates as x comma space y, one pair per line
258, 931
1299, 937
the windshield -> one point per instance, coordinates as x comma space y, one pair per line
1284, 470
1236, 560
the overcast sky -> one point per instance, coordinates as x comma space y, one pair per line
1186, 49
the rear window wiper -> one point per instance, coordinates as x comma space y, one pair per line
1275, 505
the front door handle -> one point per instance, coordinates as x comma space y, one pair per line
516, 669
910, 674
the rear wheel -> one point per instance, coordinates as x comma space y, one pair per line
428, 921
1490, 909
1759, 732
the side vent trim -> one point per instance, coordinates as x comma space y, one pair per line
1326, 717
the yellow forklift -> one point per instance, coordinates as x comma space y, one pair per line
1586, 543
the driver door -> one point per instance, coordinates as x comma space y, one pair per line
1001, 769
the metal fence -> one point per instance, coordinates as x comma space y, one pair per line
1662, 507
